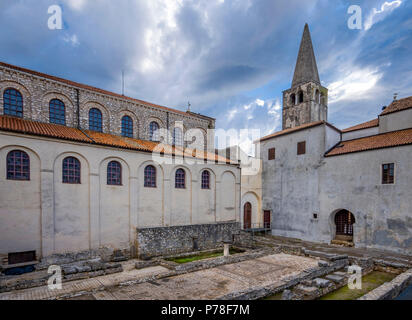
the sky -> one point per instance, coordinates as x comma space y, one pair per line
230, 58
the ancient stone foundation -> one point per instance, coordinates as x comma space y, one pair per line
161, 241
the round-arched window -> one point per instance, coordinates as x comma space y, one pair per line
13, 103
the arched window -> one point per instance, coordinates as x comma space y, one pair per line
322, 99
205, 179
317, 96
177, 137
57, 113
154, 134
127, 127
180, 179
95, 120
114, 173
18, 165
300, 96
293, 99
13, 103
150, 177
71, 170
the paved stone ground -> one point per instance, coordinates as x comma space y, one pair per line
323, 247
129, 273
203, 284
215, 282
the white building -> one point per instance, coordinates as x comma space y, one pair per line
351, 186
78, 172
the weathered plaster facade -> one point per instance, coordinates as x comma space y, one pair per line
48, 216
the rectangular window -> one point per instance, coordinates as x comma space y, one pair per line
272, 154
388, 173
301, 147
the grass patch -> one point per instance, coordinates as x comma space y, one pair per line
201, 256
369, 282
277, 296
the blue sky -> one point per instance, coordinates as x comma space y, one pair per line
231, 58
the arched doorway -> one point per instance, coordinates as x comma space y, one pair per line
247, 216
344, 221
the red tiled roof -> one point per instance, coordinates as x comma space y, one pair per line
86, 87
42, 129
398, 105
290, 130
365, 125
385, 140
29, 127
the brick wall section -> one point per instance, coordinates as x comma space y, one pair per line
37, 91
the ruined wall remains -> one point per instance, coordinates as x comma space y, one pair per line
173, 240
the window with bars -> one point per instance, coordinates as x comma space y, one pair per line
114, 173
154, 134
13, 103
178, 137
205, 179
150, 177
180, 179
127, 127
71, 170
271, 154
57, 112
301, 147
95, 120
18, 165
388, 173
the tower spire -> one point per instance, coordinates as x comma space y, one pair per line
306, 69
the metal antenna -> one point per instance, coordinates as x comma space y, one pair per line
122, 82
188, 106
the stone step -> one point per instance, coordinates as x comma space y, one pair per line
321, 283
306, 291
335, 278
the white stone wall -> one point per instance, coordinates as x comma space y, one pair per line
395, 121
45, 215
359, 133
297, 186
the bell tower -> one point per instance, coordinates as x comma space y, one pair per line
307, 100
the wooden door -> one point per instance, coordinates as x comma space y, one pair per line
247, 216
266, 219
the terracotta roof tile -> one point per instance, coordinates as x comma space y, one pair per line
385, 140
398, 105
43, 129
291, 130
18, 125
86, 87
365, 125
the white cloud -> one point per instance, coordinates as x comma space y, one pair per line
354, 85
73, 40
77, 5
378, 15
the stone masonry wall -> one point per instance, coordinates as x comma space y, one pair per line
37, 91
173, 240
